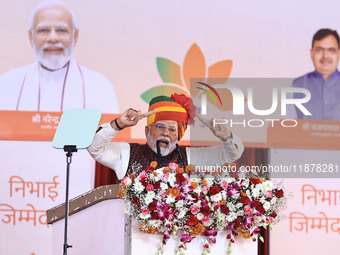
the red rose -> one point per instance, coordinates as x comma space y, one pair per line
192, 221
273, 214
154, 216
256, 203
153, 206
135, 200
279, 193
194, 197
187, 104
214, 190
245, 200
238, 222
224, 209
180, 178
157, 185
149, 169
144, 181
260, 208
255, 180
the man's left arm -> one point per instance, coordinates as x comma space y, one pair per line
230, 150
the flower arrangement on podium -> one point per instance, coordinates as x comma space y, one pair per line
171, 201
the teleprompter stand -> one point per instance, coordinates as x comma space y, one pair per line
69, 149
76, 130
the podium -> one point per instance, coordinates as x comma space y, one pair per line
97, 225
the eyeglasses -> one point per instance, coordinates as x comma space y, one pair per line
162, 127
46, 30
321, 50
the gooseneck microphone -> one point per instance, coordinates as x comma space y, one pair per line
158, 151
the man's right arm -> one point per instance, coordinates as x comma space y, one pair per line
114, 155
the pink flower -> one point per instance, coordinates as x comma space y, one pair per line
194, 209
216, 205
126, 181
145, 210
163, 194
205, 219
269, 219
173, 166
269, 194
247, 209
165, 177
206, 188
149, 187
142, 174
224, 185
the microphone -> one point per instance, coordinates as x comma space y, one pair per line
179, 152
158, 151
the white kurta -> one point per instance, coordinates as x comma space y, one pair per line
116, 155
33, 88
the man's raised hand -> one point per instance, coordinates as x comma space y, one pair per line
221, 131
130, 118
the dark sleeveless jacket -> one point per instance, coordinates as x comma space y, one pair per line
141, 156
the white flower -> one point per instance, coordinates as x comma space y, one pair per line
144, 216
256, 192
224, 194
172, 184
170, 199
273, 201
172, 177
148, 200
198, 190
266, 206
231, 217
236, 195
138, 187
257, 219
219, 216
200, 216
231, 206
267, 185
179, 204
229, 180
210, 181
181, 214
248, 192
239, 205
217, 197
155, 223
151, 194
185, 175
164, 186
240, 213
245, 183
197, 180
259, 187
262, 199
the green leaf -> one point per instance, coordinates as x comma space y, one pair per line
165, 90
169, 71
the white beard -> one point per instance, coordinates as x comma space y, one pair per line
52, 61
164, 151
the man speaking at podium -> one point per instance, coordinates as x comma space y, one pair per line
167, 120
